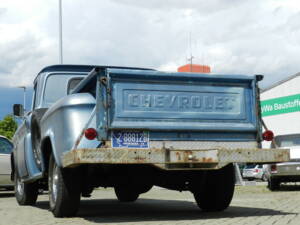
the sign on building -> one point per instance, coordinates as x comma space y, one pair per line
275, 106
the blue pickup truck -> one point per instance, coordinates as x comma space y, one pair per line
133, 128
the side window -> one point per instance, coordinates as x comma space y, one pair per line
58, 86
5, 146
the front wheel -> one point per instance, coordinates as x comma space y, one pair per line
216, 191
26, 193
64, 190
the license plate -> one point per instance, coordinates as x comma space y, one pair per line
130, 139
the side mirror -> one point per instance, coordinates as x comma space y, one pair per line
18, 110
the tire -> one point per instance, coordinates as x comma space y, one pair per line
125, 194
273, 184
25, 193
216, 191
64, 190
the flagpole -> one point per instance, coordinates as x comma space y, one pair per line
60, 34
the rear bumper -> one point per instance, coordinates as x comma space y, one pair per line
174, 159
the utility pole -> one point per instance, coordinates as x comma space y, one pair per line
60, 33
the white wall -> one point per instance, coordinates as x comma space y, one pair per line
290, 87
288, 123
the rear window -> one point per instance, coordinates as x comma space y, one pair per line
288, 140
5, 146
73, 83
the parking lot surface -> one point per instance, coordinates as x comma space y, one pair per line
250, 205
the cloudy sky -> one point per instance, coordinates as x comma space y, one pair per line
232, 36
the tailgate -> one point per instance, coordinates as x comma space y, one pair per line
178, 103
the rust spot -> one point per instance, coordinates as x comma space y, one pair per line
103, 80
204, 159
140, 159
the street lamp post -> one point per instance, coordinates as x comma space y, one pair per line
24, 97
60, 33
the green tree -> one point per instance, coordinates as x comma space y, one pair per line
8, 126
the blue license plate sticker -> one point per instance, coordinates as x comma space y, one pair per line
130, 139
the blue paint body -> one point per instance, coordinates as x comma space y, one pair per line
166, 106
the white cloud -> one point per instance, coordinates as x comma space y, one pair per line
251, 37
202, 6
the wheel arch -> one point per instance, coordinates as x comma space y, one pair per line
48, 148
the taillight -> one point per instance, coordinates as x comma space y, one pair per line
256, 170
268, 135
90, 133
273, 168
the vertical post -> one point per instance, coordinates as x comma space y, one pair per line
24, 99
60, 33
238, 176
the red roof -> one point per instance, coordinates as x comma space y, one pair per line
194, 68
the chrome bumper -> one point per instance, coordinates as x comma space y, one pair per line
174, 159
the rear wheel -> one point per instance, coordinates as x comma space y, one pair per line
26, 193
125, 194
64, 190
273, 184
216, 191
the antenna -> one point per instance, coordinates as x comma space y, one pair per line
191, 56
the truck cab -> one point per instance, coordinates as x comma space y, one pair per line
51, 84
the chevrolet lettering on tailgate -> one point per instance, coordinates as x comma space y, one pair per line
192, 101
